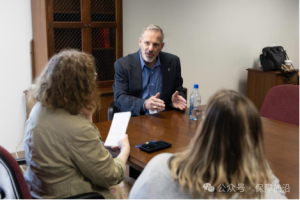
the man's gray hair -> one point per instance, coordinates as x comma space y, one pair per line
153, 27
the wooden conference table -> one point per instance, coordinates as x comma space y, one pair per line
281, 142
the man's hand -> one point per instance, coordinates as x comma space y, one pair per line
154, 103
178, 101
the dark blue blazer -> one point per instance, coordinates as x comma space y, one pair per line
128, 82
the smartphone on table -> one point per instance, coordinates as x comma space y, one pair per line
155, 146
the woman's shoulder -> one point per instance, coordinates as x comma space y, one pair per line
156, 181
158, 167
162, 156
60, 121
160, 159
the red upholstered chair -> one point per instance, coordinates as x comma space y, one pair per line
12, 182
282, 104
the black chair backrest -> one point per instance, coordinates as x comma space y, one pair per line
112, 109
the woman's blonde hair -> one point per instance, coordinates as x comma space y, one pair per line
226, 149
68, 81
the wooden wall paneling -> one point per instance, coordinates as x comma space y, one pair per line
32, 60
119, 32
88, 32
50, 28
106, 96
105, 101
280, 79
45, 34
40, 37
258, 85
260, 82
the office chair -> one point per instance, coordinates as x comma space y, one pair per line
282, 103
111, 110
12, 182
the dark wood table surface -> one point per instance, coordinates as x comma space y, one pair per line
281, 142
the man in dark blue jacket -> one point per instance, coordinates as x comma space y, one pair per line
149, 80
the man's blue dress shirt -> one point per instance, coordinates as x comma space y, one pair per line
152, 79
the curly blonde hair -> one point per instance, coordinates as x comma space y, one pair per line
226, 149
68, 81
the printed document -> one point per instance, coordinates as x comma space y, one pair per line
117, 129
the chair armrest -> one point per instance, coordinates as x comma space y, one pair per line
110, 111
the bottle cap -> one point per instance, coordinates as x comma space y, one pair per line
288, 62
195, 86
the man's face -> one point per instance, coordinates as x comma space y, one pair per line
150, 45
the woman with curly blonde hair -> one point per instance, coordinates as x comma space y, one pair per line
63, 150
225, 158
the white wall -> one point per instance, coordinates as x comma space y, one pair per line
15, 70
216, 40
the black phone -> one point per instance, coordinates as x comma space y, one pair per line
155, 146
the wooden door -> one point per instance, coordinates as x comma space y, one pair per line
67, 27
104, 19
92, 26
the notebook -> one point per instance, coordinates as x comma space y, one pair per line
117, 129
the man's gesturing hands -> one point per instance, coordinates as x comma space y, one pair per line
178, 101
154, 103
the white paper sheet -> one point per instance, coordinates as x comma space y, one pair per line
152, 112
117, 129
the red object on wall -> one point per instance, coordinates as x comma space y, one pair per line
104, 38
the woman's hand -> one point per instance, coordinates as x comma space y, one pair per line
124, 148
124, 142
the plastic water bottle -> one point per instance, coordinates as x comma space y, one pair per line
195, 102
